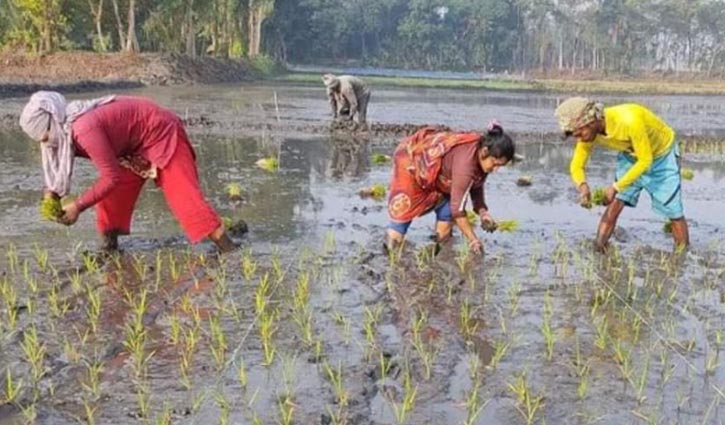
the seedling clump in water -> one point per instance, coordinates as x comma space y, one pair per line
268, 164
234, 191
376, 191
687, 174
379, 159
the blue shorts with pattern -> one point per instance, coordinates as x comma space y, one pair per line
662, 181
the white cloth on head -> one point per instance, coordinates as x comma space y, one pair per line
49, 111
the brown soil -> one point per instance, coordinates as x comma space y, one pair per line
81, 71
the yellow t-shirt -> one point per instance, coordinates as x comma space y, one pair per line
629, 128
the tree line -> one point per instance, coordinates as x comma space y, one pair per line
618, 36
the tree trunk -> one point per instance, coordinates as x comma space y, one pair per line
98, 20
190, 30
119, 26
131, 40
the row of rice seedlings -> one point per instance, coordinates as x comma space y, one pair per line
468, 324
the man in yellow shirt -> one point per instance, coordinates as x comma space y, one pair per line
648, 159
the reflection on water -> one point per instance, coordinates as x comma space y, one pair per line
315, 190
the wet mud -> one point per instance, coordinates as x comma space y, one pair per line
310, 322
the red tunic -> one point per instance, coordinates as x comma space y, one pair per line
128, 126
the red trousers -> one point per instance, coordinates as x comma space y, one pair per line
179, 181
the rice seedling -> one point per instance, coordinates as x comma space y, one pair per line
380, 159
549, 337
270, 164
41, 257
219, 342
174, 328
90, 262
335, 377
407, 404
71, 352
12, 255
711, 364
582, 388
529, 404
500, 348
34, 352
89, 410
92, 383
286, 408
11, 388
11, 305
602, 333
341, 320
224, 407
277, 268
242, 374
640, 386
513, 296
267, 323
687, 173
467, 323
29, 412
234, 191
249, 266
174, 267
427, 353
370, 323
51, 208
164, 417
376, 191
143, 399
93, 307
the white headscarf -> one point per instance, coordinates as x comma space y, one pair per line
49, 111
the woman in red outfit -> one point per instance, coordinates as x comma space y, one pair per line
440, 171
129, 140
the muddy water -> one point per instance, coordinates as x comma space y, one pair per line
645, 326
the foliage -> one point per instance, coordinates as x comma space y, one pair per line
565, 36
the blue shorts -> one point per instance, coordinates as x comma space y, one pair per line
443, 213
662, 181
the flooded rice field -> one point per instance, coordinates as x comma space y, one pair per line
311, 323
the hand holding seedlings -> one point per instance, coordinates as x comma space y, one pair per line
70, 214
487, 222
585, 196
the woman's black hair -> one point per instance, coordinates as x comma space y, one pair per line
499, 144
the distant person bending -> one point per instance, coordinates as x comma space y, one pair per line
648, 159
347, 92
440, 171
128, 140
